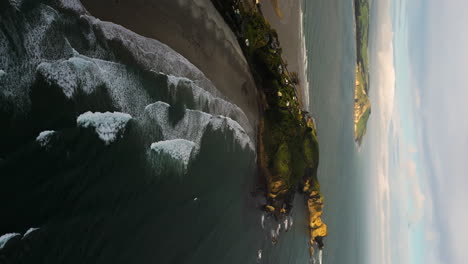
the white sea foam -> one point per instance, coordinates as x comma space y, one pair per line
4, 239
29, 231
179, 151
84, 74
73, 5
107, 125
34, 35
126, 90
273, 234
262, 221
150, 53
305, 81
44, 137
207, 102
78, 74
72, 74
194, 124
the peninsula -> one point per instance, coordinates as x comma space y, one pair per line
362, 105
287, 146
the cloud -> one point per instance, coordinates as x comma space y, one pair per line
445, 112
417, 98
413, 180
431, 235
415, 212
383, 86
412, 149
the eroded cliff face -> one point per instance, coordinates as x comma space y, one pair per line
281, 189
318, 229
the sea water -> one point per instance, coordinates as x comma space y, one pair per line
329, 29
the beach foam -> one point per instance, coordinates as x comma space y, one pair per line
4, 239
174, 155
305, 81
29, 231
107, 125
44, 137
193, 125
207, 102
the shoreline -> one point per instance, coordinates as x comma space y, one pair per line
292, 41
210, 46
287, 142
228, 61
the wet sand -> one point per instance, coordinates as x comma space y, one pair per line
289, 30
196, 31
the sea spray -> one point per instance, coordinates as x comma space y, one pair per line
193, 125
305, 81
172, 156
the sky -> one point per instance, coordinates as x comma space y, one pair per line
419, 91
443, 93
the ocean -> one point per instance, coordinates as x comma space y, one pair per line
329, 31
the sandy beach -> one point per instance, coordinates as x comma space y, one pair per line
292, 40
196, 31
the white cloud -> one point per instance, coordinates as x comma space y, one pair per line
383, 88
417, 98
409, 169
412, 149
445, 113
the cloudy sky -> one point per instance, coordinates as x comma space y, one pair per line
443, 90
420, 132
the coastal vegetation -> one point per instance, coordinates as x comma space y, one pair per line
362, 105
288, 151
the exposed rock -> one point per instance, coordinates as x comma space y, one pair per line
270, 208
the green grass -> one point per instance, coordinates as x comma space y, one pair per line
362, 34
362, 76
282, 160
362, 125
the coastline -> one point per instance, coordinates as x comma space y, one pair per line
292, 41
287, 151
210, 46
216, 51
295, 53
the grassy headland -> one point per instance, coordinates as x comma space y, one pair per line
288, 152
362, 106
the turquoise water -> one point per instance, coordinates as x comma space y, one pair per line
329, 31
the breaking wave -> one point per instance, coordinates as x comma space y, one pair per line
193, 124
172, 155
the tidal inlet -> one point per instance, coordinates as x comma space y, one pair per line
233, 131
